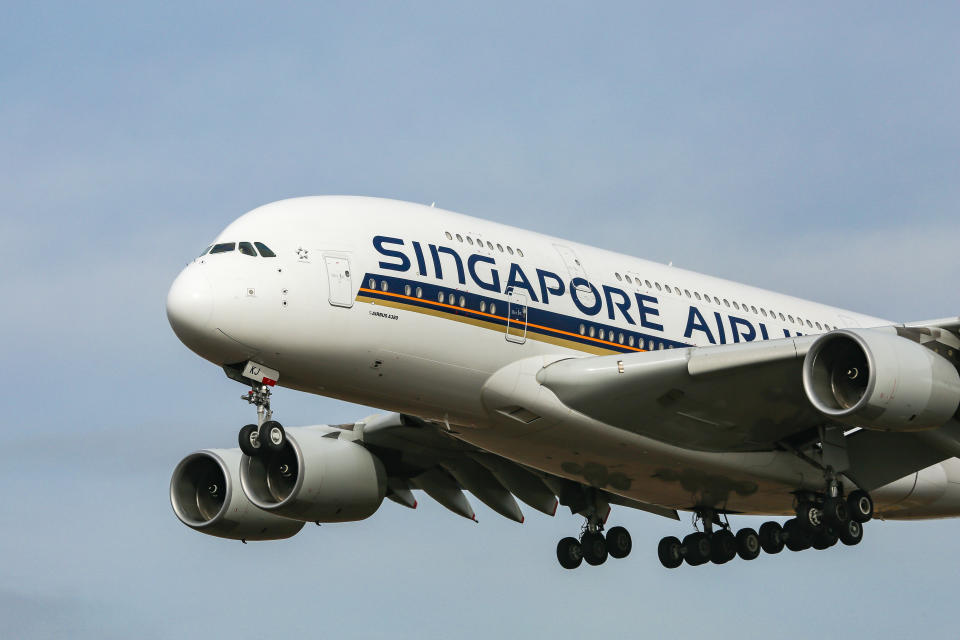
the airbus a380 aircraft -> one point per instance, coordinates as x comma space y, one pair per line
517, 364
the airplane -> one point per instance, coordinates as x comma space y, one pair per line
516, 365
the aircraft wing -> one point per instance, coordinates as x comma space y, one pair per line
418, 454
743, 397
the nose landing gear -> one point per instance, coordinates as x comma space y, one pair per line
265, 436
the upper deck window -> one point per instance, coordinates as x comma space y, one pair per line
247, 249
223, 247
264, 250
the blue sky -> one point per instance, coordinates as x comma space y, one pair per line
812, 149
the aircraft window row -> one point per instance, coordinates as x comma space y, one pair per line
739, 306
480, 243
245, 248
620, 338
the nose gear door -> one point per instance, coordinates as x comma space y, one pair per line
338, 278
517, 317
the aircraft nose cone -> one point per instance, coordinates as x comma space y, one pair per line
190, 305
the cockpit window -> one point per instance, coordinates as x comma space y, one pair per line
247, 249
205, 251
223, 247
264, 250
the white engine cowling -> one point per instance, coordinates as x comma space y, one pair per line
316, 477
876, 379
205, 494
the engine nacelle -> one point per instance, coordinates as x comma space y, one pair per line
316, 477
875, 379
206, 496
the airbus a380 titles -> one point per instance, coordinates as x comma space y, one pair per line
515, 365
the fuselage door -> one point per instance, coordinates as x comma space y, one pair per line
571, 262
338, 277
517, 317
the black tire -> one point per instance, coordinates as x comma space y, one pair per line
249, 443
796, 537
272, 436
569, 553
810, 517
824, 540
748, 544
860, 506
670, 552
835, 512
619, 542
594, 548
851, 533
723, 547
771, 537
696, 548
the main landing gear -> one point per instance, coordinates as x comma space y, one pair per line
820, 522
265, 436
593, 546
718, 547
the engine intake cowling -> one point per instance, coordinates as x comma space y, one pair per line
316, 477
875, 379
205, 494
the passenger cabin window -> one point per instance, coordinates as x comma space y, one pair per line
223, 247
449, 236
618, 277
629, 281
470, 241
509, 250
247, 249
264, 250
500, 247
520, 252
489, 245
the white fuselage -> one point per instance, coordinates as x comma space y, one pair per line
414, 309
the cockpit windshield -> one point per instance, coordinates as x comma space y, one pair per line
205, 251
264, 250
246, 248
223, 247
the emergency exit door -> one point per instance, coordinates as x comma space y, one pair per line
517, 317
338, 278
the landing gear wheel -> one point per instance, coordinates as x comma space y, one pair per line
249, 442
824, 540
860, 506
619, 543
835, 512
569, 553
670, 552
272, 436
796, 536
696, 548
771, 537
809, 517
748, 544
851, 533
723, 547
594, 548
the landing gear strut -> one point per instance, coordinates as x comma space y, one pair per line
265, 436
593, 546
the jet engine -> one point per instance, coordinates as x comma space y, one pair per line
316, 477
876, 379
206, 496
